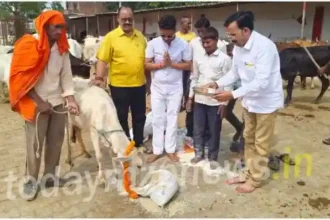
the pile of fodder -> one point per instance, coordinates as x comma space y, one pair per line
4, 94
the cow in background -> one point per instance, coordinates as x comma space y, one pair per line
296, 61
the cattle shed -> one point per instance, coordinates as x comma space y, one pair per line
280, 19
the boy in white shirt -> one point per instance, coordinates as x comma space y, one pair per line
209, 66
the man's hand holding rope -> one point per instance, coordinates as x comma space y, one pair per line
72, 105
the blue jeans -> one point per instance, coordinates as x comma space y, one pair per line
206, 118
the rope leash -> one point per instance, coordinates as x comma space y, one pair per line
67, 112
104, 133
128, 150
315, 63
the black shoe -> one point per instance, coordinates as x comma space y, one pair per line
30, 190
57, 183
274, 163
237, 135
326, 141
235, 147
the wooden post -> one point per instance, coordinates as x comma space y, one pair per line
98, 25
157, 22
303, 20
114, 22
237, 8
144, 20
192, 20
86, 25
74, 31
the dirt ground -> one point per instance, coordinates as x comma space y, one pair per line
299, 130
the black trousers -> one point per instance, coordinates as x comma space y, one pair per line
207, 117
189, 115
233, 120
133, 98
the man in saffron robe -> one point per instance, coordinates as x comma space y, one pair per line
40, 82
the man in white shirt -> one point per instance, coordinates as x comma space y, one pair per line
209, 66
166, 56
196, 43
197, 49
256, 62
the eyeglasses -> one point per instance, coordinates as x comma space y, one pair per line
167, 36
125, 20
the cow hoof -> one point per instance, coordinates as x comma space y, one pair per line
69, 162
87, 155
316, 101
101, 183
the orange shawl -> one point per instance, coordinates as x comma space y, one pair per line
28, 62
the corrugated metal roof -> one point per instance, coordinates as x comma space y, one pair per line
78, 15
183, 7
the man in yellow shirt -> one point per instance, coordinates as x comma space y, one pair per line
124, 50
185, 32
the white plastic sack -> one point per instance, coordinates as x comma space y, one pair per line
180, 139
147, 131
160, 186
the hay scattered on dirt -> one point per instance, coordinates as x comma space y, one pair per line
4, 95
326, 108
303, 106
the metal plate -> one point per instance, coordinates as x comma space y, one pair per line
201, 91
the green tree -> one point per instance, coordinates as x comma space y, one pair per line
20, 12
57, 6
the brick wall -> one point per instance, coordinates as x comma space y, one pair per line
87, 8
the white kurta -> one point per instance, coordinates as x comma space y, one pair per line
257, 65
166, 92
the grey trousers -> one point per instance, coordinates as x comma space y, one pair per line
207, 117
51, 129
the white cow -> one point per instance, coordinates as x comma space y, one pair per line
4, 49
75, 48
91, 46
5, 61
98, 116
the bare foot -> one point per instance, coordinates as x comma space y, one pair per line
87, 155
173, 157
245, 188
235, 180
153, 158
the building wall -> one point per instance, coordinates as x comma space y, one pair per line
279, 19
87, 8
